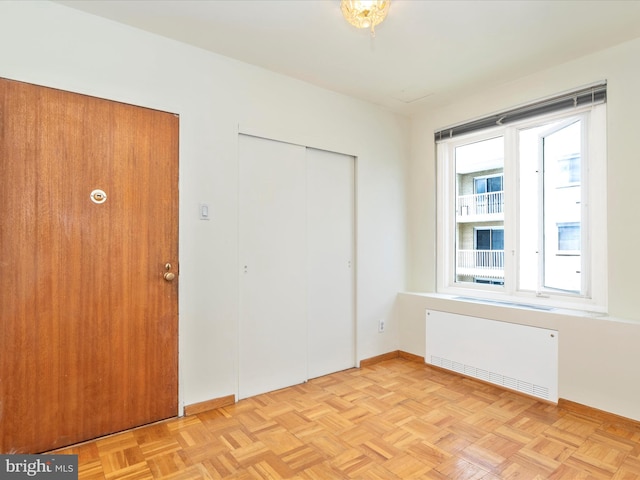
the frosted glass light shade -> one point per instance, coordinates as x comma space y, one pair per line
365, 13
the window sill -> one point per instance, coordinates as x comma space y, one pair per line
512, 304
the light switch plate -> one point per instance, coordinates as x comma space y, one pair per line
205, 211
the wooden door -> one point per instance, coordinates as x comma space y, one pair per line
330, 262
273, 327
88, 334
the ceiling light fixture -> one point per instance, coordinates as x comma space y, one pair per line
365, 13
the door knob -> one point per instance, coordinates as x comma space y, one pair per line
168, 276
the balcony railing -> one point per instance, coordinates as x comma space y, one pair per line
480, 204
482, 263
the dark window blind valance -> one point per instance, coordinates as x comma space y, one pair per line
586, 96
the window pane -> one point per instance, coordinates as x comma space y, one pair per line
479, 207
562, 206
480, 185
494, 184
483, 239
553, 148
497, 239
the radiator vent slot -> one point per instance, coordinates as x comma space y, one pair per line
492, 377
518, 357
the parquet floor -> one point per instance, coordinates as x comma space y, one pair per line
397, 419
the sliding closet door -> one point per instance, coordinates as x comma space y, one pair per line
273, 329
330, 243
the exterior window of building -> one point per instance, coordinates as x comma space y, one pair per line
489, 184
569, 169
521, 211
569, 237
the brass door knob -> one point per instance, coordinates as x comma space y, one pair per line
168, 276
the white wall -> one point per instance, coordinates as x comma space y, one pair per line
599, 358
48, 44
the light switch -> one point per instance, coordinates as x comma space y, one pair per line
204, 211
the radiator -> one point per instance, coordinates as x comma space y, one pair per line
518, 357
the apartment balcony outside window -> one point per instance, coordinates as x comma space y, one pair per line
480, 263
480, 206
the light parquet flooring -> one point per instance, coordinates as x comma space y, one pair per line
397, 419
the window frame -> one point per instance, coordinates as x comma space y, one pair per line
594, 169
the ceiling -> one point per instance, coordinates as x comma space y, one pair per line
426, 53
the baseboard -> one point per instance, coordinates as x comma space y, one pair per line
367, 362
410, 356
209, 405
590, 412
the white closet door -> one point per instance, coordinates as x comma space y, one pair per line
330, 260
273, 326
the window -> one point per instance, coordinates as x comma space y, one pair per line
569, 237
521, 209
488, 184
489, 239
569, 169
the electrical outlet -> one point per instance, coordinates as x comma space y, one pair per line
381, 326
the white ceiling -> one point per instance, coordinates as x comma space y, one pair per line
426, 52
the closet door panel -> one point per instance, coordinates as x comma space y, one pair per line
330, 260
272, 254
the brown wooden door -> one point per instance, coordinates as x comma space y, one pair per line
89, 325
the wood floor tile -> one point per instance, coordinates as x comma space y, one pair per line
439, 418
380, 449
196, 472
483, 421
489, 452
221, 466
566, 472
428, 454
351, 463
321, 471
406, 466
514, 470
357, 435
629, 470
544, 453
602, 457
397, 419
460, 469
450, 442
167, 464
91, 470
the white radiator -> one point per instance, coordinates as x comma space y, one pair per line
518, 357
